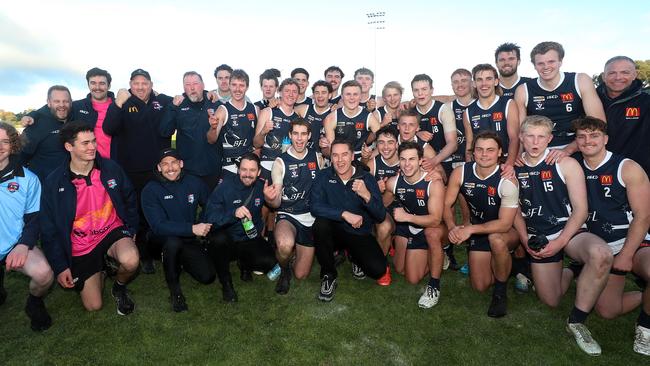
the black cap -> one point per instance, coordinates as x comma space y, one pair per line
140, 72
169, 152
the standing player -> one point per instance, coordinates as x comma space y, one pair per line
301, 76
20, 192
618, 192
293, 173
560, 96
238, 118
493, 206
553, 201
272, 132
352, 123
392, 96
316, 112
366, 78
269, 85
222, 75
437, 124
420, 206
507, 58
493, 113
334, 75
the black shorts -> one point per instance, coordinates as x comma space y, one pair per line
85, 266
414, 241
304, 235
479, 243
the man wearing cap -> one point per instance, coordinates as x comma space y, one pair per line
170, 204
133, 121
188, 116
88, 220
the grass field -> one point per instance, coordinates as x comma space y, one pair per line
365, 325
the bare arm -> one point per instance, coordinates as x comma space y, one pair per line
469, 136
453, 188
264, 125
637, 188
513, 133
216, 124
577, 189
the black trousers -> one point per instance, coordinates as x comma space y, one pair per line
139, 180
364, 249
253, 255
190, 255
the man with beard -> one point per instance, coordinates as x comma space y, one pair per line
334, 75
187, 116
293, 173
560, 96
346, 203
316, 113
20, 193
170, 204
628, 110
91, 109
272, 131
493, 202
43, 151
507, 58
238, 118
301, 76
88, 218
133, 122
618, 192
235, 211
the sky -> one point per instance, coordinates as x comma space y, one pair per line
43, 43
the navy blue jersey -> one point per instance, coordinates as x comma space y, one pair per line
459, 109
261, 104
364, 104
382, 113
543, 198
422, 143
353, 128
316, 121
430, 121
272, 147
610, 214
336, 99
296, 185
412, 197
307, 101
482, 195
494, 118
383, 170
562, 105
509, 93
238, 131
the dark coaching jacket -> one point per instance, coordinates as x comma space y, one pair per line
227, 198
170, 206
59, 207
330, 197
82, 110
43, 151
191, 121
135, 142
628, 123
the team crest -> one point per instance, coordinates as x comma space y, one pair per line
156, 105
190, 198
258, 202
111, 183
13, 187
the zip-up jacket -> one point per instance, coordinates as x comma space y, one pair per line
190, 120
227, 198
135, 142
170, 206
330, 197
59, 207
82, 110
43, 150
628, 123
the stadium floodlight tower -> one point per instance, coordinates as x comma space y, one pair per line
376, 21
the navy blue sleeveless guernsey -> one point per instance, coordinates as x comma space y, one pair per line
430, 121
382, 113
238, 132
299, 175
316, 122
459, 155
272, 147
482, 195
509, 93
494, 118
412, 197
562, 105
354, 129
383, 170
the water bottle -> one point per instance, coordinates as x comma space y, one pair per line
286, 142
274, 273
249, 228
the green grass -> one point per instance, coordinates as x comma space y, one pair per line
365, 325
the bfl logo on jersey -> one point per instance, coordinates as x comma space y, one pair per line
111, 183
